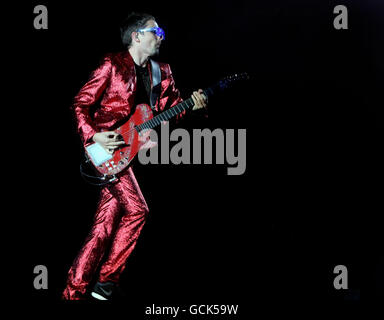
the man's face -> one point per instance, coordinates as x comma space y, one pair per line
149, 41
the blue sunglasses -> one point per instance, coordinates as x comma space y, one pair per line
156, 30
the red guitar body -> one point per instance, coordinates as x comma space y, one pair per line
134, 141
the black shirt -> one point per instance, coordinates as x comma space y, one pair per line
143, 89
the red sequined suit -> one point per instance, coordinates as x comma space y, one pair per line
122, 209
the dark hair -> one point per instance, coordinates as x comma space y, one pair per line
131, 23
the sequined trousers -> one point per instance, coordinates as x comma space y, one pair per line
119, 219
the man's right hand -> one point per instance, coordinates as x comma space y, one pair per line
109, 140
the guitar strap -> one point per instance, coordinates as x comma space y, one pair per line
156, 79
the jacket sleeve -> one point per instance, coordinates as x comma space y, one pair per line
88, 96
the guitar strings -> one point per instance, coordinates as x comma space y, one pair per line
158, 118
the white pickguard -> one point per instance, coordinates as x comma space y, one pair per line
98, 154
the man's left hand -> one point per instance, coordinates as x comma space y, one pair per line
199, 99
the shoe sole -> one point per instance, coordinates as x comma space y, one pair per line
97, 296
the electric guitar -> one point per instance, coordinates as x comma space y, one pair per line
135, 133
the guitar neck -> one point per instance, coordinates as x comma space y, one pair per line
187, 104
168, 114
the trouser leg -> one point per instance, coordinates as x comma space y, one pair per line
85, 264
134, 213
118, 221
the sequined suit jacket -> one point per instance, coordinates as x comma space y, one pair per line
111, 90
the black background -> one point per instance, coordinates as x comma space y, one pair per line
308, 201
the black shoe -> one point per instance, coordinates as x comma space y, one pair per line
107, 291
103, 291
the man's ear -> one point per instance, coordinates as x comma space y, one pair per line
135, 36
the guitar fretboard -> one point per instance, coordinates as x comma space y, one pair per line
166, 115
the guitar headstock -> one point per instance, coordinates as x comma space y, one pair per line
226, 83
230, 80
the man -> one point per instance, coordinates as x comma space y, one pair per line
122, 81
